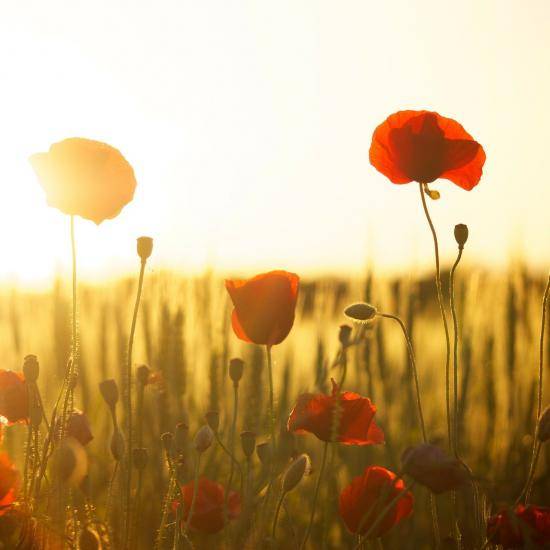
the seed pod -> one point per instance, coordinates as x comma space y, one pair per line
299, 468
461, 235
543, 431
31, 368
69, 462
344, 335
248, 443
263, 450
167, 441
236, 367
203, 439
360, 312
213, 420
144, 247
117, 445
140, 457
109, 392
142, 374
89, 539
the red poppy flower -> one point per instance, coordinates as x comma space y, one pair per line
9, 483
208, 515
363, 500
14, 399
78, 426
85, 178
423, 146
264, 306
434, 468
513, 528
315, 413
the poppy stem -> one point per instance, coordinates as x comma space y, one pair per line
276, 517
315, 496
232, 453
271, 401
195, 492
129, 425
412, 361
439, 292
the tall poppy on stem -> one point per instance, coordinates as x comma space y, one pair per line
423, 146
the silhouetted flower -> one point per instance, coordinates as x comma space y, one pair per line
363, 500
264, 306
78, 426
9, 483
85, 178
434, 468
423, 146
208, 515
315, 413
514, 528
14, 399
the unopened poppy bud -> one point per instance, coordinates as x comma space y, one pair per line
89, 539
203, 439
181, 437
263, 450
461, 235
117, 445
248, 443
78, 426
344, 335
213, 420
69, 462
300, 467
236, 367
360, 312
140, 457
31, 368
109, 392
144, 247
543, 432
167, 441
142, 374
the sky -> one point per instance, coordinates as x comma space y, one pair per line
248, 124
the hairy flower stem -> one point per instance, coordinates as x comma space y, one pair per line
232, 452
195, 492
315, 496
128, 403
412, 361
172, 483
439, 292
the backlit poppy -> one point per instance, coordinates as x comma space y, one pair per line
315, 413
14, 399
85, 178
264, 306
423, 146
9, 483
434, 468
208, 515
514, 528
367, 496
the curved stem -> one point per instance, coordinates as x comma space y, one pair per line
315, 496
234, 461
541, 345
414, 370
276, 517
128, 403
195, 492
232, 452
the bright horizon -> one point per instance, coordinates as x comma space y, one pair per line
248, 126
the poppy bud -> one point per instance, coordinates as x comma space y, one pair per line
140, 457
69, 461
78, 426
236, 367
360, 312
31, 368
167, 440
35, 414
263, 450
213, 420
461, 235
543, 432
142, 374
144, 247
109, 392
203, 439
248, 443
117, 445
89, 539
345, 335
181, 437
434, 468
295, 472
